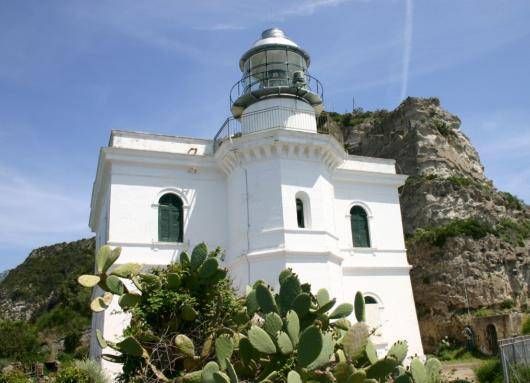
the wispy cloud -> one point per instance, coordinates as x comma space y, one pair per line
34, 213
407, 47
220, 27
307, 8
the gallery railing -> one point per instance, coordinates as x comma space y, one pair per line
272, 118
279, 78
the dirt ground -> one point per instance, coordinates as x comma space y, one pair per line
461, 370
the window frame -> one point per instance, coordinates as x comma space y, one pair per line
300, 216
180, 204
306, 212
367, 217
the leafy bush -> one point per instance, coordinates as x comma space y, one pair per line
484, 312
525, 330
14, 376
18, 341
442, 127
514, 232
92, 369
490, 372
511, 201
460, 181
507, 304
72, 374
188, 325
459, 227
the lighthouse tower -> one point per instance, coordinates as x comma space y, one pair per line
274, 188
279, 169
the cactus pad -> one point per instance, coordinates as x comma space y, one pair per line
309, 346
261, 341
360, 314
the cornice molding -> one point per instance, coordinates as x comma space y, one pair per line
280, 143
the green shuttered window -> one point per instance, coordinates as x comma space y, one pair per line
359, 227
170, 218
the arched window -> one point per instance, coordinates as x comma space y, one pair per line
359, 227
300, 213
373, 314
170, 218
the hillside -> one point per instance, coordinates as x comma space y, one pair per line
463, 235
47, 279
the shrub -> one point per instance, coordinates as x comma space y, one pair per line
507, 304
525, 330
443, 128
92, 369
512, 231
188, 325
460, 181
511, 201
14, 377
71, 342
18, 341
72, 374
438, 235
490, 372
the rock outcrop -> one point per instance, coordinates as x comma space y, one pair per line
468, 243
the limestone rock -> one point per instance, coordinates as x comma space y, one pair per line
447, 183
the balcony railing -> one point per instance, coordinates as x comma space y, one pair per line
279, 78
272, 118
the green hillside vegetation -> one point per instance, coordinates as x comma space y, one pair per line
45, 286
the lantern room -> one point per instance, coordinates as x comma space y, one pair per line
275, 66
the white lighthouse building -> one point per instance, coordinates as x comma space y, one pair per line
273, 188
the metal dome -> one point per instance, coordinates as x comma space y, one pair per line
270, 38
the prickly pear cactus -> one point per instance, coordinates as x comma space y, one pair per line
291, 336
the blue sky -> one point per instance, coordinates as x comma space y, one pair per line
70, 71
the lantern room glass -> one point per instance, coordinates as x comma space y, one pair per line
272, 68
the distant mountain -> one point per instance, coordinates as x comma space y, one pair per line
3, 275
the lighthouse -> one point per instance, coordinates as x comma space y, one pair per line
274, 188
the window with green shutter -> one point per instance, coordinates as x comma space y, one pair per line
170, 218
359, 227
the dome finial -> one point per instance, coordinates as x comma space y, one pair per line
272, 32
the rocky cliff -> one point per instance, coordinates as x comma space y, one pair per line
468, 243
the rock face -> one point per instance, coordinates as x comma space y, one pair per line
468, 243
424, 138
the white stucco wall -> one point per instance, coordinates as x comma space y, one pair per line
243, 199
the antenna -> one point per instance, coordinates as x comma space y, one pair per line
352, 104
